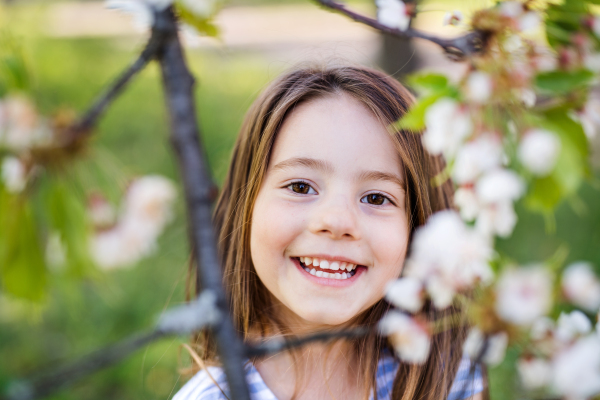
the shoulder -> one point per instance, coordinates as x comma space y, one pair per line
207, 384
468, 380
211, 384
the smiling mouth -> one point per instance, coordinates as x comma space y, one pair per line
328, 269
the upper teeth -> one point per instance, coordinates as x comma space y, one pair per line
327, 264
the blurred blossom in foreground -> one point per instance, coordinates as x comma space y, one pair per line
494, 350
581, 286
538, 151
448, 256
523, 294
479, 87
146, 212
572, 325
535, 372
14, 175
406, 293
393, 14
448, 125
20, 125
410, 338
577, 369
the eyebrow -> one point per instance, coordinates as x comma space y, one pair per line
381, 176
326, 167
304, 162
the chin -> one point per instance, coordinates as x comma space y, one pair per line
324, 317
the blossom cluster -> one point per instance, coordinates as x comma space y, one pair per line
122, 240
514, 127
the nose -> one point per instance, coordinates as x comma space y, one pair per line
336, 219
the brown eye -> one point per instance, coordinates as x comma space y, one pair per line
375, 199
300, 187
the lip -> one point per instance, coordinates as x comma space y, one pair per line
326, 281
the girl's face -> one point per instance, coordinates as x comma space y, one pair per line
333, 196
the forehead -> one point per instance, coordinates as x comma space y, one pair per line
339, 129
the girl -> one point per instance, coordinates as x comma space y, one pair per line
314, 219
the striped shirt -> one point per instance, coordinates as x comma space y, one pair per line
201, 387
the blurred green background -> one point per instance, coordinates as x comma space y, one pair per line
79, 316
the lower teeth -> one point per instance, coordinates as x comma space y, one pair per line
332, 275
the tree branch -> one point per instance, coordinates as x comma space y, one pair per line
181, 320
279, 344
456, 48
200, 193
47, 383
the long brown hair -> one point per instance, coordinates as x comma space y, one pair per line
251, 303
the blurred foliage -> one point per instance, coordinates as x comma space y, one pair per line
81, 315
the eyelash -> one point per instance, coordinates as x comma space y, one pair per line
290, 187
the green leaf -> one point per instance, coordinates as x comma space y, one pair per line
559, 82
22, 267
545, 194
68, 217
203, 25
428, 83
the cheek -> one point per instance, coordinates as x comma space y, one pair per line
274, 227
389, 242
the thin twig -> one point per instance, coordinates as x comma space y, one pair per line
456, 48
277, 345
180, 320
200, 192
91, 116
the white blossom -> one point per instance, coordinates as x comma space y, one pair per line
581, 286
146, 212
479, 87
512, 9
591, 61
393, 14
495, 349
523, 294
528, 97
405, 293
596, 25
538, 151
453, 18
499, 185
20, 125
576, 369
101, 212
191, 317
466, 200
410, 339
590, 118
572, 325
542, 328
448, 256
475, 157
529, 21
497, 219
535, 372
447, 126
14, 174
149, 200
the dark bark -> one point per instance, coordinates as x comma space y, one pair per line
200, 193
